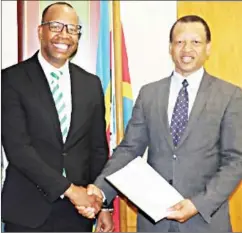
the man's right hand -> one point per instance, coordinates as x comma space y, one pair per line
79, 197
94, 190
91, 190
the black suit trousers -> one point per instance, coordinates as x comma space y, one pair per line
63, 218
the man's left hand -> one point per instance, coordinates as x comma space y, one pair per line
104, 222
182, 211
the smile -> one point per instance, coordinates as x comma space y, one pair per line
63, 47
187, 59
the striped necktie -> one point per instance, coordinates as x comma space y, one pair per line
59, 104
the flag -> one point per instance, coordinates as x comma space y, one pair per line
122, 64
127, 87
103, 71
103, 59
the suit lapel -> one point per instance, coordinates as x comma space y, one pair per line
162, 102
198, 106
37, 76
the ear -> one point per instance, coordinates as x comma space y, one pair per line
79, 36
40, 32
170, 47
208, 49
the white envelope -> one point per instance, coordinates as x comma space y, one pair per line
146, 188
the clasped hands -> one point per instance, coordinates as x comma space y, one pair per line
88, 201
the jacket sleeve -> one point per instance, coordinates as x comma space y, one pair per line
133, 144
229, 174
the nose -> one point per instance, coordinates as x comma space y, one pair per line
187, 46
64, 31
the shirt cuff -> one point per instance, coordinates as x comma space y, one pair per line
104, 197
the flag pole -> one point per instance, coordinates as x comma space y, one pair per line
119, 95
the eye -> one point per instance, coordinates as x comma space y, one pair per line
179, 42
196, 42
72, 29
55, 26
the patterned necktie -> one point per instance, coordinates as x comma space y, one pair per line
180, 114
60, 105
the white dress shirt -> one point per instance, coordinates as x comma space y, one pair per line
193, 80
64, 83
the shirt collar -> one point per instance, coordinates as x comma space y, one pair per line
193, 79
48, 68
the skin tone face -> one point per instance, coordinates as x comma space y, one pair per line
57, 47
189, 47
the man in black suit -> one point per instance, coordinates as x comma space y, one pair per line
53, 133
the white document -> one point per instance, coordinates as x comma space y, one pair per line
146, 188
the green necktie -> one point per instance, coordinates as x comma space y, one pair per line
60, 105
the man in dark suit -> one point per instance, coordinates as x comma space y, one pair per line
53, 133
191, 123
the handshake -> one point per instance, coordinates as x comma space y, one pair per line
88, 201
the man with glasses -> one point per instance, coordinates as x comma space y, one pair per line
56, 26
53, 133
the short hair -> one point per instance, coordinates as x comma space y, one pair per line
55, 3
192, 19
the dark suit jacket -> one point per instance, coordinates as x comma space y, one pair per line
206, 166
33, 143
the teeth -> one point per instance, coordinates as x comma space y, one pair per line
61, 46
187, 59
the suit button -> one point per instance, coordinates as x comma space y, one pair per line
174, 157
170, 182
64, 154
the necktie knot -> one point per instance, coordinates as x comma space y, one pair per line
56, 75
185, 83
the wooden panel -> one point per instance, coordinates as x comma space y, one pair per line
131, 218
28, 21
225, 21
20, 20
128, 216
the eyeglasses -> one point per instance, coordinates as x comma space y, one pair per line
55, 26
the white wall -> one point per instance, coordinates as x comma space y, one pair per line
146, 27
9, 41
9, 33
